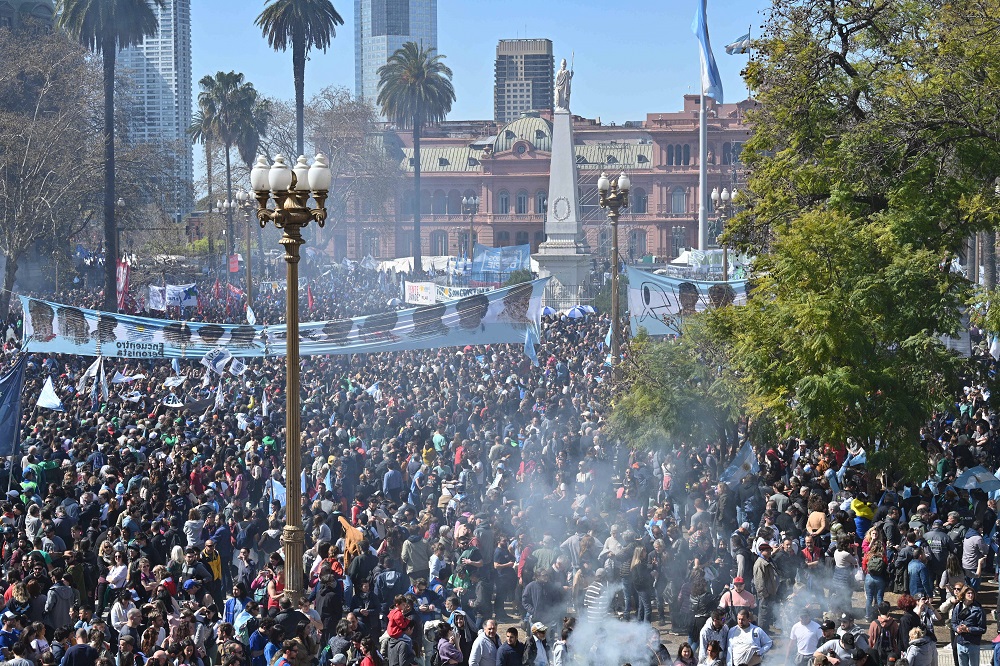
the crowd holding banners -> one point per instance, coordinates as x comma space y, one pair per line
447, 489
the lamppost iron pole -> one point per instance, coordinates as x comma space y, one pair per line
614, 197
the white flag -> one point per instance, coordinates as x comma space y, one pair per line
216, 359
206, 379
263, 404
995, 348
237, 367
104, 382
119, 378
48, 398
171, 382
241, 421
81, 384
157, 298
220, 397
251, 317
172, 400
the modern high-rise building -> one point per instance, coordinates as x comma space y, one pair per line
381, 27
524, 74
160, 71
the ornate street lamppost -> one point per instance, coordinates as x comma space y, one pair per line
244, 201
614, 197
470, 206
291, 190
724, 214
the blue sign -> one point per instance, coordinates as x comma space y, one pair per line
501, 259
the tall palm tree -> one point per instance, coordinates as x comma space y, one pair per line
303, 25
105, 27
200, 132
248, 143
414, 89
231, 110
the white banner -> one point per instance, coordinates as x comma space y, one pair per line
420, 293
175, 295
216, 359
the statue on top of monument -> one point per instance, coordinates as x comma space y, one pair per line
564, 78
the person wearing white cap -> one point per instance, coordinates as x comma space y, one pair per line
536, 649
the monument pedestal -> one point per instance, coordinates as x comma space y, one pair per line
565, 255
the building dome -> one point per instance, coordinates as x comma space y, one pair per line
530, 128
14, 13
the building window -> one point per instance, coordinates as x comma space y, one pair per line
521, 238
638, 201
439, 243
670, 155
463, 241
678, 201
539, 237
541, 201
503, 202
636, 244
687, 154
678, 151
440, 203
521, 203
502, 238
604, 243
727, 153
370, 244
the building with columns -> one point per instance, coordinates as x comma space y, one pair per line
507, 168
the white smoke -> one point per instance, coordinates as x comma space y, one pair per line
610, 642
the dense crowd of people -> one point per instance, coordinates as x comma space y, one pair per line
463, 506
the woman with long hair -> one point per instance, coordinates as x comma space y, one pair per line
370, 651
685, 656
845, 564
876, 568
968, 624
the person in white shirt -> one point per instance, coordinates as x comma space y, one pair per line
715, 629
805, 636
747, 643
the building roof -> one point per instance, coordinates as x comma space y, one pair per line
530, 128
614, 156
444, 158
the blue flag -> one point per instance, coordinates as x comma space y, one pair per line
739, 45
11, 388
745, 463
711, 82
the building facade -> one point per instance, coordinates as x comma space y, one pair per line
523, 78
17, 14
160, 72
507, 167
383, 26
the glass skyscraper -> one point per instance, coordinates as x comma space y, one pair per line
160, 72
381, 27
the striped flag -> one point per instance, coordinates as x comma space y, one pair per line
711, 82
739, 46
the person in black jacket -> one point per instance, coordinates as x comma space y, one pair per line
329, 604
511, 652
401, 649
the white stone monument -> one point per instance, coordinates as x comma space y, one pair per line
565, 255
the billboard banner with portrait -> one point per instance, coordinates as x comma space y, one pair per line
659, 303
511, 315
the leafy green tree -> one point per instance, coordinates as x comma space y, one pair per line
302, 25
415, 89
106, 27
874, 151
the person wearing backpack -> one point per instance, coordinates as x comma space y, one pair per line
883, 634
876, 568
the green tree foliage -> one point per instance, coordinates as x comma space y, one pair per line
873, 160
517, 277
302, 25
106, 27
414, 89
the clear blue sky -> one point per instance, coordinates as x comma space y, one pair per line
628, 62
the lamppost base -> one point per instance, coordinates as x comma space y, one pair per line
293, 540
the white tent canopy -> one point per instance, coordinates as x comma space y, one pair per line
437, 263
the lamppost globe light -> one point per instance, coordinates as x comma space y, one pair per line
258, 175
603, 184
624, 184
120, 203
320, 176
465, 201
715, 194
301, 171
241, 196
475, 200
725, 194
279, 176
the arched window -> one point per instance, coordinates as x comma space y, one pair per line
463, 241
370, 244
503, 202
678, 201
454, 203
541, 200
440, 203
502, 238
636, 244
727, 153
439, 243
737, 151
521, 203
687, 154
604, 243
521, 238
678, 150
670, 155
407, 205
425, 202
638, 201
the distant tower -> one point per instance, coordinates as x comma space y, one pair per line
523, 77
380, 28
17, 14
160, 72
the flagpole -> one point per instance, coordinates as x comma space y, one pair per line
702, 174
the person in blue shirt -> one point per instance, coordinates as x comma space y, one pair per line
9, 634
258, 643
235, 604
919, 575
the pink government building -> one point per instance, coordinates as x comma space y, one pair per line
507, 168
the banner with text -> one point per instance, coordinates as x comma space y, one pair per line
501, 259
420, 293
173, 295
508, 315
659, 303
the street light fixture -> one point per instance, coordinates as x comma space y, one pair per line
614, 197
244, 201
291, 190
470, 206
725, 213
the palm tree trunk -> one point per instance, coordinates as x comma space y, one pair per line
208, 168
417, 263
9, 275
110, 228
990, 259
229, 211
299, 74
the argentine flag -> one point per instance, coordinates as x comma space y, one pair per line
744, 464
711, 82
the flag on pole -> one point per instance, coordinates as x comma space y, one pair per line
48, 398
743, 464
263, 404
251, 317
237, 367
216, 290
81, 384
711, 82
122, 282
309, 297
176, 365
104, 382
739, 46
220, 397
11, 389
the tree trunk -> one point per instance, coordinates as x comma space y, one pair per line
417, 263
299, 73
109, 51
9, 274
230, 241
208, 168
989, 259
